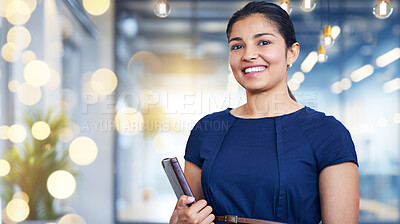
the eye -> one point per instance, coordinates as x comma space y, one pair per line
264, 42
236, 47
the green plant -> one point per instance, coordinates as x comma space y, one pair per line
32, 163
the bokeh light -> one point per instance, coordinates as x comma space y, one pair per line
16, 133
336, 88
40, 130
72, 219
54, 81
129, 121
104, 81
293, 85
11, 52
83, 150
96, 7
29, 95
17, 210
3, 6
61, 184
149, 60
31, 5
66, 135
345, 83
37, 73
19, 35
28, 56
21, 195
298, 77
18, 12
13, 85
4, 167
75, 128
4, 132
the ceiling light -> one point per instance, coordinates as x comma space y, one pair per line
335, 32
162, 8
285, 5
322, 57
362, 73
298, 77
388, 57
336, 88
307, 5
309, 62
345, 83
383, 9
328, 40
293, 85
391, 85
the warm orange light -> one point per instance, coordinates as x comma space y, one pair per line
328, 40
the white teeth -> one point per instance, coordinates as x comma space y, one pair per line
254, 69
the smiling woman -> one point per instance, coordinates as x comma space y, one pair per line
277, 161
259, 57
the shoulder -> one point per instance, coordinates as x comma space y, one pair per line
216, 120
323, 131
329, 139
311, 120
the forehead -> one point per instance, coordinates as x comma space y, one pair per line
255, 23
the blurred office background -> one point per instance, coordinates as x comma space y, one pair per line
95, 93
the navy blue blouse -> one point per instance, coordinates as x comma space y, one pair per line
267, 168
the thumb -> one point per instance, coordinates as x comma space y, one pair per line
184, 201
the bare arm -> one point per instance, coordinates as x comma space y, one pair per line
338, 188
193, 176
198, 213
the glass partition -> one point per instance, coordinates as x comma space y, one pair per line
175, 71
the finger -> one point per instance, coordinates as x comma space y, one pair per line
184, 201
205, 212
209, 219
198, 206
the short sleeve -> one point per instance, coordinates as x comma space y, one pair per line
194, 143
336, 145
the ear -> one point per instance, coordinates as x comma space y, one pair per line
293, 53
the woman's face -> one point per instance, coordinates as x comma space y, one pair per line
258, 54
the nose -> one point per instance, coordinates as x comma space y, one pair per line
249, 54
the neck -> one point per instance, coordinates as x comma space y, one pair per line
269, 104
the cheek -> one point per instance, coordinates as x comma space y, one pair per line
233, 61
275, 56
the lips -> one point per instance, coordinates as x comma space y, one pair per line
253, 70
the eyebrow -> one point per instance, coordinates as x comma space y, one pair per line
255, 36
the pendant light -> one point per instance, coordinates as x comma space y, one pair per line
327, 33
285, 5
162, 8
307, 5
383, 9
322, 56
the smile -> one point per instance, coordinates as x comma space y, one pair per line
254, 69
